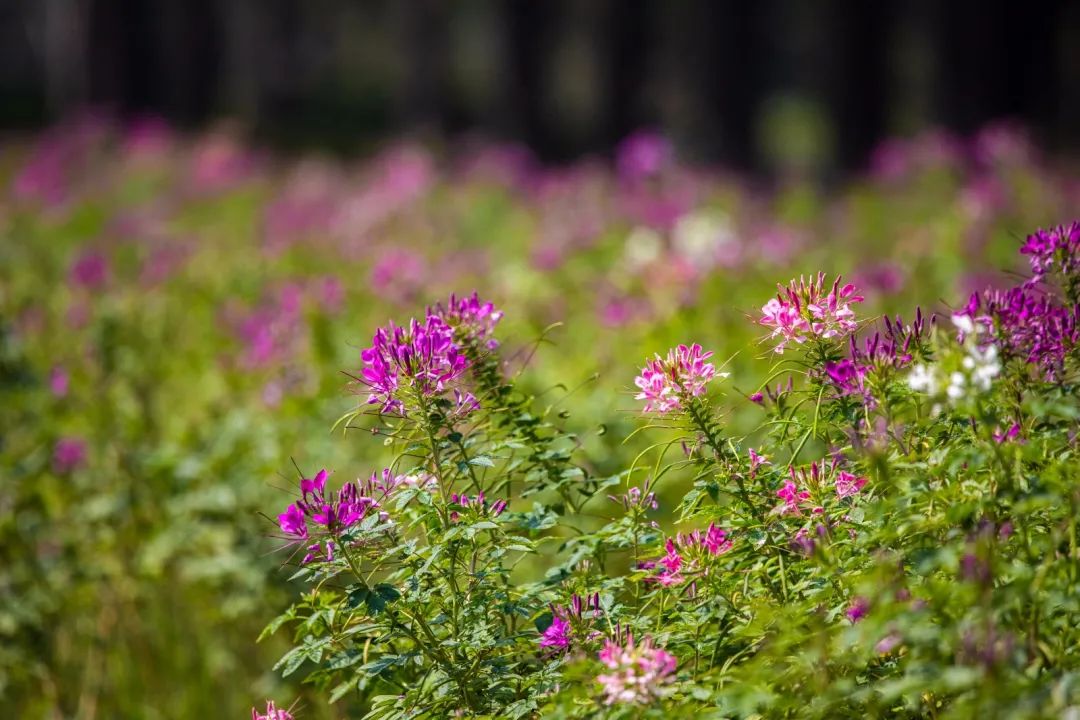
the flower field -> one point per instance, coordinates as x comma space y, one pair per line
444, 432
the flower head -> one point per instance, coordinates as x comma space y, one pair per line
666, 383
329, 514
857, 610
272, 713
471, 319
808, 309
418, 362
570, 622
638, 673
848, 485
1053, 250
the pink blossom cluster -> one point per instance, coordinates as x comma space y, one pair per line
561, 632
667, 383
808, 309
795, 496
414, 363
638, 673
472, 319
273, 712
330, 514
688, 553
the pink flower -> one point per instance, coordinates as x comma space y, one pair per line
666, 383
792, 497
90, 270
848, 484
272, 713
1010, 434
330, 514
69, 454
638, 673
557, 634
471, 319
808, 309
688, 552
58, 381
757, 461
858, 609
888, 643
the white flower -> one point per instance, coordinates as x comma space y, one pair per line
922, 379
964, 324
643, 246
699, 237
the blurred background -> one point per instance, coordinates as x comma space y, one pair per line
208, 207
746, 84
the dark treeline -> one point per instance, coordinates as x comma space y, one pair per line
728, 79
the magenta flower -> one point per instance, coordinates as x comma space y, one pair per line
667, 383
272, 713
1054, 250
568, 621
557, 634
58, 381
688, 553
418, 364
792, 497
848, 484
331, 514
1011, 434
472, 320
757, 461
639, 673
642, 155
858, 609
1028, 325
293, 522
809, 309
90, 270
69, 454
636, 498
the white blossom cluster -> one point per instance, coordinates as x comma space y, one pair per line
977, 370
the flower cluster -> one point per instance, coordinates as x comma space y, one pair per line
891, 349
273, 712
570, 622
417, 363
976, 373
795, 496
330, 514
687, 553
669, 382
1029, 325
808, 309
473, 321
638, 674
1057, 249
